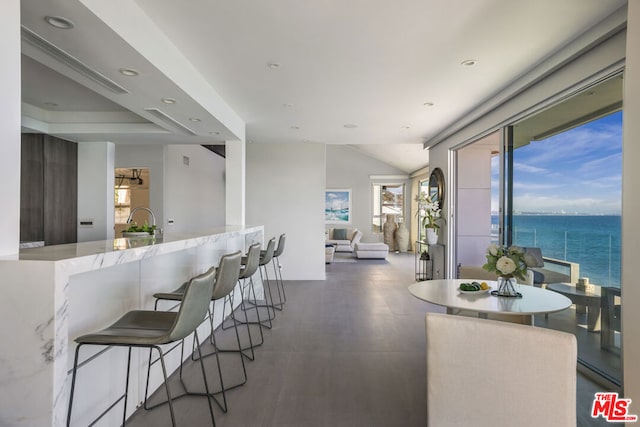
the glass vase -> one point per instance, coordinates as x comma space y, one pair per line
507, 287
432, 236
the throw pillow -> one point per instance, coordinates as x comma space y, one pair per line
339, 234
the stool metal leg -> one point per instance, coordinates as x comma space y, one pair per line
277, 261
243, 289
280, 305
126, 388
170, 398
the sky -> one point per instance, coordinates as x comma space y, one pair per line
575, 172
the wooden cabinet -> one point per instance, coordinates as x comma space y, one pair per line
49, 190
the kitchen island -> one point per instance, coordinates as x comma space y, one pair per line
54, 294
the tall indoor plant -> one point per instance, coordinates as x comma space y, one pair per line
430, 214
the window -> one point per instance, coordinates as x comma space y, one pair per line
388, 199
563, 194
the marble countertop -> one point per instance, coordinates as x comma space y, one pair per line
126, 249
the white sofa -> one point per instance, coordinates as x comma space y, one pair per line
353, 236
372, 250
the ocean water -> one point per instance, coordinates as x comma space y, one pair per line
591, 241
336, 214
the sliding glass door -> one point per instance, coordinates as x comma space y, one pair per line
562, 185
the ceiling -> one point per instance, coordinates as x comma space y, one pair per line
383, 77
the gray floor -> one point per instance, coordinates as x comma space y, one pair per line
348, 351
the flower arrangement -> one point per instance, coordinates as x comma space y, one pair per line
506, 262
428, 210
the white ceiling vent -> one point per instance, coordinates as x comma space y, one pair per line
170, 120
63, 57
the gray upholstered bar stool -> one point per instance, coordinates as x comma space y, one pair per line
225, 280
277, 269
151, 329
265, 258
248, 268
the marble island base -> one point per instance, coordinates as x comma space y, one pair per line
53, 294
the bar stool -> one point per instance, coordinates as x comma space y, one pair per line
277, 268
247, 270
225, 279
150, 329
265, 258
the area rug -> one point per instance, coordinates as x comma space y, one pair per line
344, 258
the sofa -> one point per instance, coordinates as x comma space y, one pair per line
345, 242
372, 250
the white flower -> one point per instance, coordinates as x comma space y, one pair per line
505, 265
493, 249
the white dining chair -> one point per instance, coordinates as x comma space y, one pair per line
489, 373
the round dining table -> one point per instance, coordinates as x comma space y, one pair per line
446, 293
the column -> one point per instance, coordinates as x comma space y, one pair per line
10, 112
235, 154
630, 206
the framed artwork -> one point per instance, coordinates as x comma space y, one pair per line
337, 206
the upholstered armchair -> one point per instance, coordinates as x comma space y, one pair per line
488, 373
479, 273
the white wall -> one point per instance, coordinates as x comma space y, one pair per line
285, 193
10, 110
95, 190
473, 204
152, 157
630, 209
347, 168
194, 193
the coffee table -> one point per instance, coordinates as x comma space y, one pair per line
590, 298
444, 292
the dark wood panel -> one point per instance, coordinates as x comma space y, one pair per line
32, 188
60, 191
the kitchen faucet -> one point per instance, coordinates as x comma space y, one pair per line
153, 217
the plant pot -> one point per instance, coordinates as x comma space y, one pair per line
432, 236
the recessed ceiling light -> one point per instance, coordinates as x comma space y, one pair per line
50, 104
469, 62
194, 119
129, 72
428, 104
350, 126
169, 100
295, 127
273, 65
59, 22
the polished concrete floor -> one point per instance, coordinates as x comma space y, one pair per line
348, 351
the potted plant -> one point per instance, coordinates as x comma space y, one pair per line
136, 230
430, 213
